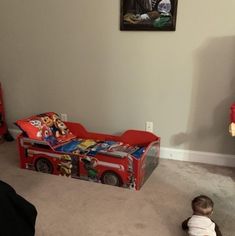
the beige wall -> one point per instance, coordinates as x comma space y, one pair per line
69, 56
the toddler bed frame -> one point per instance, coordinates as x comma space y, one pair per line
125, 161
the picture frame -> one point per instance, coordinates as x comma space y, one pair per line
148, 15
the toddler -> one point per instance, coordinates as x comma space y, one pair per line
200, 224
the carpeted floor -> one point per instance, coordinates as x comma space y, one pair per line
69, 207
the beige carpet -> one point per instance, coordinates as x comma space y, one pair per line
69, 207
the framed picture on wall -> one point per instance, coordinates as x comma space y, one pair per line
155, 15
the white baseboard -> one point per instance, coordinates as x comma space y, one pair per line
184, 155
195, 156
14, 132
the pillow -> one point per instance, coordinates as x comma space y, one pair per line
47, 127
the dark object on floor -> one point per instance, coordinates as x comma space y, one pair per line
17, 215
8, 137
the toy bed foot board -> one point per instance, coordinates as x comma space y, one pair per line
125, 161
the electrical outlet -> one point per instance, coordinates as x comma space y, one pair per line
149, 126
64, 117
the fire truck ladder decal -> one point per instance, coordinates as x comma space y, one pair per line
25, 142
31, 152
108, 164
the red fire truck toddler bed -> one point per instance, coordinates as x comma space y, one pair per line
65, 148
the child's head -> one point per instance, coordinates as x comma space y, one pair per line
202, 205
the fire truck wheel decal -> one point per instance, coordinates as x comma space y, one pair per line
43, 165
111, 178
